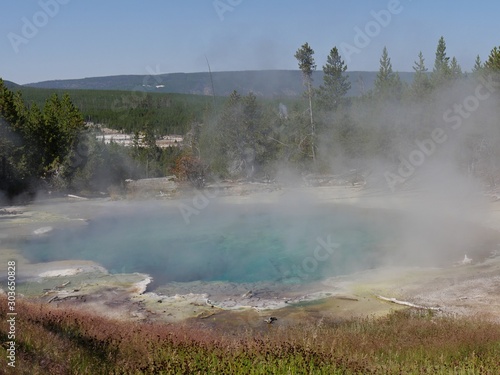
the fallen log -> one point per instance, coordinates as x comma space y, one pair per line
405, 303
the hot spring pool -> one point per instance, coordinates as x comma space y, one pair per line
241, 243
223, 243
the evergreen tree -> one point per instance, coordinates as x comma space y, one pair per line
52, 145
387, 83
455, 69
151, 150
493, 62
241, 140
227, 133
441, 72
16, 150
7, 136
52, 139
421, 85
336, 84
21, 111
478, 66
7, 108
71, 121
33, 138
305, 58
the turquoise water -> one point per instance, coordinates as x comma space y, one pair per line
226, 243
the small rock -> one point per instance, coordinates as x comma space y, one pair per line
271, 320
247, 294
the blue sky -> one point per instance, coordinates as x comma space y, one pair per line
86, 38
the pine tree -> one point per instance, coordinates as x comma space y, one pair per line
7, 108
151, 150
6, 133
387, 83
21, 111
62, 125
241, 139
229, 124
441, 72
493, 62
33, 136
455, 69
37, 143
51, 135
421, 85
305, 57
336, 84
478, 65
72, 120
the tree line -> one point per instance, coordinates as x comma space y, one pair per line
329, 131
251, 138
51, 148
127, 110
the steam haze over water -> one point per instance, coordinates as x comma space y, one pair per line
259, 243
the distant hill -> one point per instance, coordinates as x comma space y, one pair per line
11, 85
265, 83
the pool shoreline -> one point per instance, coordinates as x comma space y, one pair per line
118, 295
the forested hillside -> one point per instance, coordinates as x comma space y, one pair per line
129, 111
263, 83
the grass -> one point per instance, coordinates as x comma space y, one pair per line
61, 341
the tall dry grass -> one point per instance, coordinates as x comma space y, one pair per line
63, 341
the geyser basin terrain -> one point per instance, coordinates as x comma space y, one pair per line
241, 243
